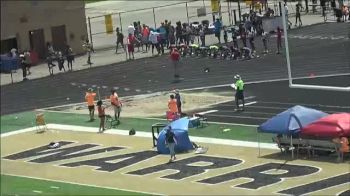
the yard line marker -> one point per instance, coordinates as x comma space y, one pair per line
249, 103
54, 187
35, 191
207, 112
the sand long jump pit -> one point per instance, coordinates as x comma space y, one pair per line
128, 162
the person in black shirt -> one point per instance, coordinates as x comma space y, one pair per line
120, 38
170, 142
298, 8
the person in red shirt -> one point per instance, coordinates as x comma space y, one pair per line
131, 41
145, 35
101, 115
279, 40
175, 58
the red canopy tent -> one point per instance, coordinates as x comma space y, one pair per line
333, 125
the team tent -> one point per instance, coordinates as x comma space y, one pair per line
333, 125
180, 129
290, 122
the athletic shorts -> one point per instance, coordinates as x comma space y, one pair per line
239, 95
91, 107
117, 109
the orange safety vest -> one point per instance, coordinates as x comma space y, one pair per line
90, 98
172, 105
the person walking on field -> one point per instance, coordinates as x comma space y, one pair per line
171, 142
117, 105
239, 91
102, 116
90, 98
175, 58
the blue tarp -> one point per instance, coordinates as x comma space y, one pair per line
291, 120
180, 129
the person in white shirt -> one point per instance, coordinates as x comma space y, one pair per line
131, 29
154, 39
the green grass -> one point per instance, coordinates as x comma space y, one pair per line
26, 119
13, 185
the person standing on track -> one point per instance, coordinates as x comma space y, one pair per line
117, 106
279, 40
120, 39
298, 8
239, 91
175, 58
178, 101
90, 98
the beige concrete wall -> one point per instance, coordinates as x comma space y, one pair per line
43, 14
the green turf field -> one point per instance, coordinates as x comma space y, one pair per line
13, 185
237, 132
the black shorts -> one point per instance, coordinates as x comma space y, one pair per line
239, 95
91, 107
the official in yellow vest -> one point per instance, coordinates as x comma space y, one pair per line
239, 91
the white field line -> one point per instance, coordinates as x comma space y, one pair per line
35, 191
214, 86
149, 135
207, 112
54, 187
81, 184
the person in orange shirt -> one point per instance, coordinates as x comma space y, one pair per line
90, 98
116, 103
172, 105
344, 142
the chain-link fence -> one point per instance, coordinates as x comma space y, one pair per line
187, 12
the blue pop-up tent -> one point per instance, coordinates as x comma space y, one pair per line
180, 129
291, 121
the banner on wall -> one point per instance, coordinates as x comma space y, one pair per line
215, 5
109, 24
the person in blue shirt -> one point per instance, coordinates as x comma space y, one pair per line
217, 30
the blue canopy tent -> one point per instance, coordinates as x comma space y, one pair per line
290, 121
180, 129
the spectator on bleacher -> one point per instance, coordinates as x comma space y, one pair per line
120, 39
217, 30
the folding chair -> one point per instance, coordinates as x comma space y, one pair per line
40, 123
